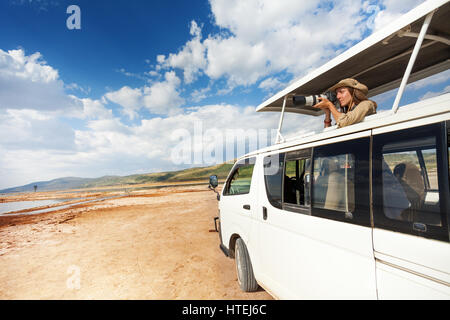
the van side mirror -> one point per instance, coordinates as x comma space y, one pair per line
213, 183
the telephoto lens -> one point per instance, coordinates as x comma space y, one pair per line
309, 101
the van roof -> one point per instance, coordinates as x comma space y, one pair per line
379, 61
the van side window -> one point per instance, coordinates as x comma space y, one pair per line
334, 186
407, 192
241, 178
297, 179
340, 181
273, 178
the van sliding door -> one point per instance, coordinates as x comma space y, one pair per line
411, 205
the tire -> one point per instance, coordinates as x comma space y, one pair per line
244, 270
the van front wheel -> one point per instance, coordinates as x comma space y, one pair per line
244, 269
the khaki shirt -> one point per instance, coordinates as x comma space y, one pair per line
358, 113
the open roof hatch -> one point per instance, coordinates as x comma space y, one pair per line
411, 48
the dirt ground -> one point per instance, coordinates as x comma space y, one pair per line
153, 244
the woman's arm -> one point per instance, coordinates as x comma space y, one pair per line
327, 106
358, 114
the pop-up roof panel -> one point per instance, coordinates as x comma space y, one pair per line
380, 60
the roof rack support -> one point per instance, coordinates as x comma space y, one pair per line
427, 36
417, 46
279, 136
392, 59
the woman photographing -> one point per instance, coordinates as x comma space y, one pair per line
352, 96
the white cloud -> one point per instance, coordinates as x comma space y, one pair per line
292, 36
94, 109
27, 82
191, 58
286, 35
270, 84
42, 148
266, 16
240, 62
199, 94
74, 86
429, 81
108, 125
15, 63
34, 130
393, 9
131, 74
160, 58
130, 99
163, 97
431, 94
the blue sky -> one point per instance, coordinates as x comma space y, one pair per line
127, 92
115, 35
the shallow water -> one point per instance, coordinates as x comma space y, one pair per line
59, 207
22, 205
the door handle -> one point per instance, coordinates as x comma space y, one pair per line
264, 213
246, 206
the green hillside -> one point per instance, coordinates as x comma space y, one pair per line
192, 174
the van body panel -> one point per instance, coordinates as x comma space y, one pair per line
308, 257
394, 284
413, 123
424, 256
415, 267
234, 219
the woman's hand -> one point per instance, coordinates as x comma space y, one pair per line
329, 108
323, 104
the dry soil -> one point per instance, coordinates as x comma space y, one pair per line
154, 244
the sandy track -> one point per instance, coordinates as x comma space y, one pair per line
152, 245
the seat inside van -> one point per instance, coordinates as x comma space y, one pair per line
321, 184
335, 195
410, 177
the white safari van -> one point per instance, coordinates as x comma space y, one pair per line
360, 212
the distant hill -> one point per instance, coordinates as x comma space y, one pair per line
191, 174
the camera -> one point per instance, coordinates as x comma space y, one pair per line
309, 101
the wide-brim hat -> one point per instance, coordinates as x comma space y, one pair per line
352, 83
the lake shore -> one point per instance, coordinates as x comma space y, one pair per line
149, 244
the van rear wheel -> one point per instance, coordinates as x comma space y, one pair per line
244, 270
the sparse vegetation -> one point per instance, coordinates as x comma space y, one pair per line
191, 174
